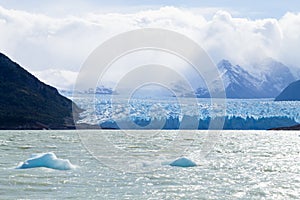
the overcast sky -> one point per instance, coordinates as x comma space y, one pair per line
52, 39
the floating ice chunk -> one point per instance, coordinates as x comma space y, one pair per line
48, 160
183, 162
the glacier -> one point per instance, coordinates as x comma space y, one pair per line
48, 160
233, 123
169, 113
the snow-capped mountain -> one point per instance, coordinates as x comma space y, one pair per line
273, 75
268, 80
265, 79
238, 82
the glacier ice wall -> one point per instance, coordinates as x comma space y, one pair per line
169, 113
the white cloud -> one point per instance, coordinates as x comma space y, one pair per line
39, 42
241, 40
62, 79
289, 49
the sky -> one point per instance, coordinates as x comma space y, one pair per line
245, 8
52, 39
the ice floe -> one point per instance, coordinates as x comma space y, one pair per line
48, 160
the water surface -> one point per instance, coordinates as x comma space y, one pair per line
242, 165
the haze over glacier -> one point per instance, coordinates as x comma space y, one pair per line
267, 82
62, 43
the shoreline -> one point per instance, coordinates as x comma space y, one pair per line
96, 127
287, 128
40, 126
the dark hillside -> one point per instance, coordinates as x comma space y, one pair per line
27, 103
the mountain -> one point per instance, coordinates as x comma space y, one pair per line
269, 78
100, 90
27, 103
238, 82
290, 93
273, 75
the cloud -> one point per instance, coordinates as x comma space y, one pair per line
241, 40
42, 43
289, 49
62, 79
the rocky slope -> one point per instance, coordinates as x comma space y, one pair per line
290, 93
27, 103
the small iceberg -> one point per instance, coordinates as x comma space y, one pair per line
183, 162
48, 160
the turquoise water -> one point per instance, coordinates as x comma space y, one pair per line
241, 165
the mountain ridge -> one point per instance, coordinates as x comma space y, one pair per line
27, 103
268, 79
240, 83
290, 93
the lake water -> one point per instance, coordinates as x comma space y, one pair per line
240, 165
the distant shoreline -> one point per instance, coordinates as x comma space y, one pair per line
40, 126
84, 126
288, 128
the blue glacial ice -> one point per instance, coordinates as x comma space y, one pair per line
48, 160
183, 162
255, 114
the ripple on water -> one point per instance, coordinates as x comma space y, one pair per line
242, 165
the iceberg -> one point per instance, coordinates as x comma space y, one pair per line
48, 160
183, 162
